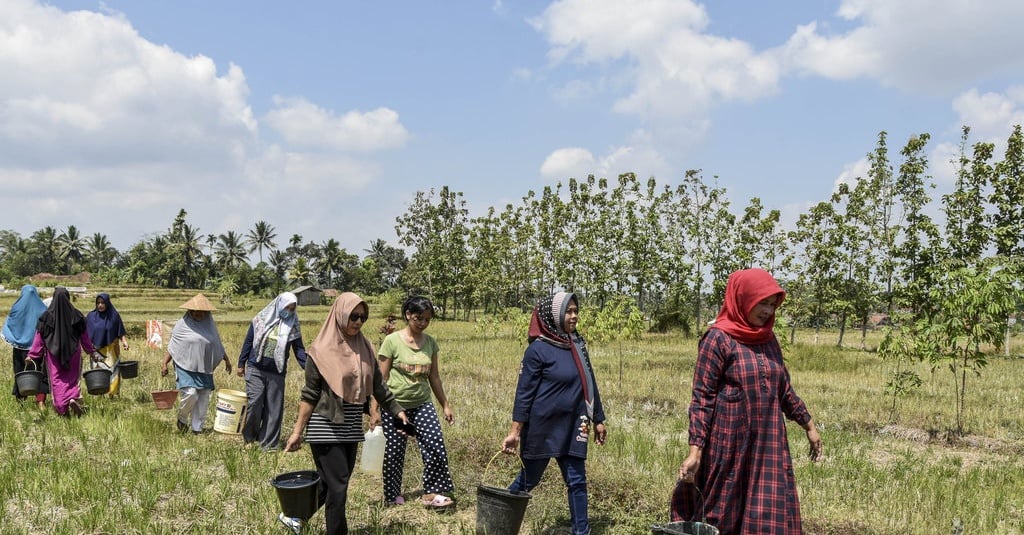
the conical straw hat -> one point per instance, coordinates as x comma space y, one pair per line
199, 302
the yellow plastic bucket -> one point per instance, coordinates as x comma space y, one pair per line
231, 407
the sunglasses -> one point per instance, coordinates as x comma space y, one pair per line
358, 317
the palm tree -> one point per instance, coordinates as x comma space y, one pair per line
43, 249
99, 252
331, 257
71, 247
231, 251
262, 237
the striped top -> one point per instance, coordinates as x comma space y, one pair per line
320, 430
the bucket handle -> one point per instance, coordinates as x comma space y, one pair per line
35, 365
483, 478
703, 502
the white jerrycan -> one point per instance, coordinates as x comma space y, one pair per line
372, 461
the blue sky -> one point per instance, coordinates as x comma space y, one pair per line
325, 117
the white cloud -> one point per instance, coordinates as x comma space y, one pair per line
89, 90
567, 162
304, 124
99, 127
991, 116
638, 157
913, 44
674, 69
853, 171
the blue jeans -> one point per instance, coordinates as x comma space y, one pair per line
574, 473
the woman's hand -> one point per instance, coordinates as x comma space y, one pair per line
241, 371
690, 465
510, 444
600, 434
227, 365
163, 370
449, 416
294, 442
97, 356
815, 440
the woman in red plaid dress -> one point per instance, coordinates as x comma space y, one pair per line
739, 454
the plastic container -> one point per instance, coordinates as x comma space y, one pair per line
231, 406
372, 461
297, 493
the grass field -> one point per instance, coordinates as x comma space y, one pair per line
122, 468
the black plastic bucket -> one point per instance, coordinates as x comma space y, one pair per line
684, 528
29, 382
129, 369
499, 511
97, 382
297, 493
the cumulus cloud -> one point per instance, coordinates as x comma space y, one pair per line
638, 157
853, 171
305, 124
94, 115
675, 69
914, 44
567, 162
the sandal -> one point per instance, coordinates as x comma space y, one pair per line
76, 407
439, 501
397, 501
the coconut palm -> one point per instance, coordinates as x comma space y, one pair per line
230, 251
262, 237
99, 252
71, 247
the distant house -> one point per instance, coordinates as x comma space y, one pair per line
308, 295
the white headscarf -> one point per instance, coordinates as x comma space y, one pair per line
263, 325
195, 345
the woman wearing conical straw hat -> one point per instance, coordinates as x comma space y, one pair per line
196, 350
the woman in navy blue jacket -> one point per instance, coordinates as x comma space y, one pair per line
557, 405
264, 362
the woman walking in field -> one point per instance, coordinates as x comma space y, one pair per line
60, 338
19, 331
557, 405
263, 361
196, 350
409, 363
739, 453
341, 375
106, 330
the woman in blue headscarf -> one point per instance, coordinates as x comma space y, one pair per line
20, 329
106, 330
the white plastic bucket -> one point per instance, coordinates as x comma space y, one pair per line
231, 407
372, 460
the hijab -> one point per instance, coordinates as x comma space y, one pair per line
104, 327
548, 325
346, 363
271, 319
745, 289
195, 344
23, 319
61, 326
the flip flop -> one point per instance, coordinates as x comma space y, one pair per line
438, 501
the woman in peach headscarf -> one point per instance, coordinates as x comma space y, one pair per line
739, 453
341, 375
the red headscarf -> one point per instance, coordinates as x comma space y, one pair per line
746, 288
